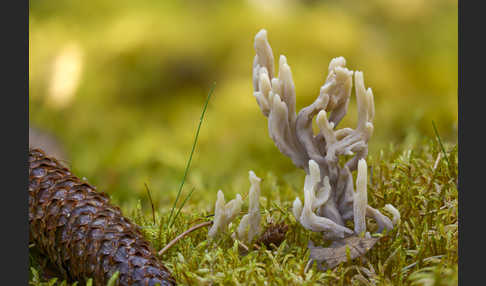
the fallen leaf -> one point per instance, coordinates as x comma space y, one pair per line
340, 251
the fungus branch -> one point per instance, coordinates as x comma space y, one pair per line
329, 194
249, 226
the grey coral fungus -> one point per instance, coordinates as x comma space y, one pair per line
249, 226
224, 213
329, 195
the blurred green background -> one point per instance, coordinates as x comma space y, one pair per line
122, 84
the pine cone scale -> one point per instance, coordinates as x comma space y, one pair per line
82, 234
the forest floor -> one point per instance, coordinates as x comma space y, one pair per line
420, 182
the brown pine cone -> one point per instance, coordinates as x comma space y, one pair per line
273, 234
81, 233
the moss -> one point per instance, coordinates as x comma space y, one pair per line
422, 250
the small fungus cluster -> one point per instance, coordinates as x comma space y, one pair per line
330, 197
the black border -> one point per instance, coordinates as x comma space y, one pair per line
14, 25
471, 145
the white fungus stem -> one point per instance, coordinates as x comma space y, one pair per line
360, 198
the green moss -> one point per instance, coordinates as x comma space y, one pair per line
422, 250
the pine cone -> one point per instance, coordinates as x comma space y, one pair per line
273, 234
81, 233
